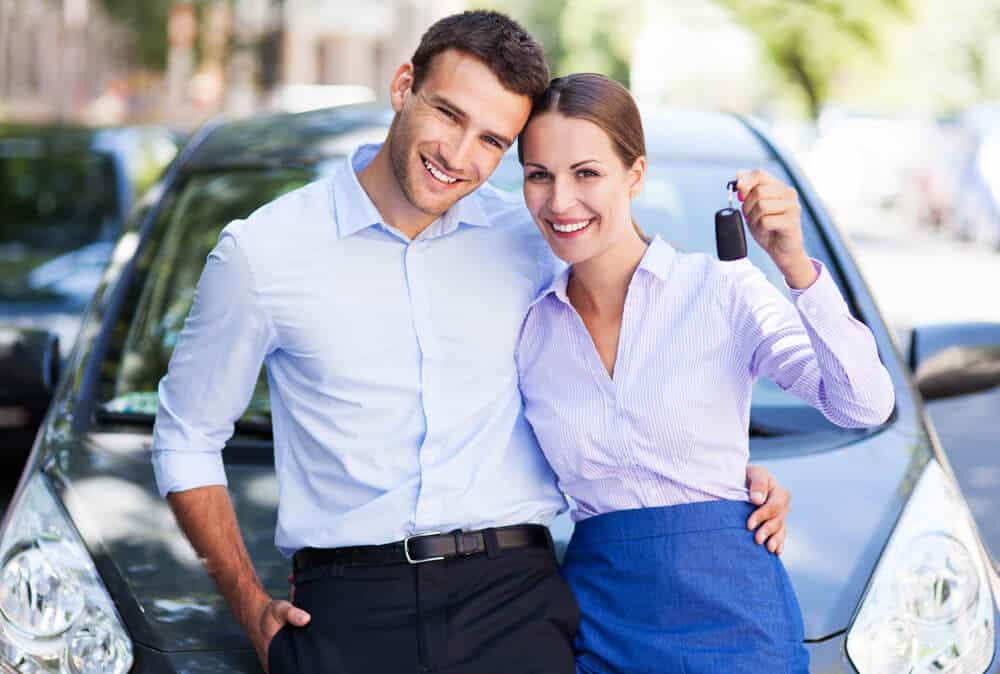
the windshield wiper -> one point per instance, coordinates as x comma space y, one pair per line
256, 429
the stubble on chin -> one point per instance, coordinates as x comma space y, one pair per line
403, 170
407, 171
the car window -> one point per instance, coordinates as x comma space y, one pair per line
52, 204
168, 271
678, 203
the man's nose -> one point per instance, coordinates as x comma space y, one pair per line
458, 153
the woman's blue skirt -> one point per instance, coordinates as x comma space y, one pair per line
682, 589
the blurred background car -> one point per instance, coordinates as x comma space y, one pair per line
977, 212
890, 569
65, 194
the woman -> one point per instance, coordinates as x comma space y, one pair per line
637, 366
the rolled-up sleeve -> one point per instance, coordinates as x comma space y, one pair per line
212, 372
815, 349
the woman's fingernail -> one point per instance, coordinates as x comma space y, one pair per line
757, 496
752, 524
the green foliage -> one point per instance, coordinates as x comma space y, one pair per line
814, 42
147, 19
580, 35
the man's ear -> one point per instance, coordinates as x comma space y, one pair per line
401, 86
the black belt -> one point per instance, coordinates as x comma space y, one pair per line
430, 547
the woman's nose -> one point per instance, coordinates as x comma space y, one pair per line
561, 197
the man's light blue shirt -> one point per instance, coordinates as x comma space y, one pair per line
393, 384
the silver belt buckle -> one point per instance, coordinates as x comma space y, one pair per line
406, 548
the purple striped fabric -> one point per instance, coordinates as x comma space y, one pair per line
672, 426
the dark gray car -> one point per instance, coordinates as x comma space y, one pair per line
65, 193
888, 564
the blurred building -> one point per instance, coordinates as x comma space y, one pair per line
65, 59
694, 54
348, 43
60, 59
302, 46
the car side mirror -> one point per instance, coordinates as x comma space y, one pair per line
955, 359
29, 370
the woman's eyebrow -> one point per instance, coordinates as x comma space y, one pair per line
572, 168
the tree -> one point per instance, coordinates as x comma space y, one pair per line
813, 42
147, 19
580, 35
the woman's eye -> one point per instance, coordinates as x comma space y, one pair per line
538, 175
587, 173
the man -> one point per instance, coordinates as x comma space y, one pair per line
386, 303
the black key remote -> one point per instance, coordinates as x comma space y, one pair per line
730, 240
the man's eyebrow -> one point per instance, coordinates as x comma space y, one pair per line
438, 99
502, 138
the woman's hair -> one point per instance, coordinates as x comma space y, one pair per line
601, 101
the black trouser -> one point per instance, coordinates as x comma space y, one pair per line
511, 613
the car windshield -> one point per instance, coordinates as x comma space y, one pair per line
52, 205
678, 204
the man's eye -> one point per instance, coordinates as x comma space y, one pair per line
490, 140
448, 113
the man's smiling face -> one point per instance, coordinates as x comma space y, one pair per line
451, 133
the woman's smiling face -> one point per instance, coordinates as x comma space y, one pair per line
576, 185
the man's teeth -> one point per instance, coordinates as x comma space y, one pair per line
570, 226
437, 174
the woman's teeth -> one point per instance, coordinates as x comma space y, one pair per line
569, 227
437, 174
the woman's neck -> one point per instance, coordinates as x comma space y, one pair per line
599, 285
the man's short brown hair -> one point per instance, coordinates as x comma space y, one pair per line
507, 49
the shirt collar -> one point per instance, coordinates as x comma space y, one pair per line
656, 260
355, 211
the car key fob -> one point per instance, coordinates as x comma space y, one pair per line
730, 239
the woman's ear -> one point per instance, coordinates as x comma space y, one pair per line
401, 86
637, 176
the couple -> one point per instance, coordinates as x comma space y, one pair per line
421, 343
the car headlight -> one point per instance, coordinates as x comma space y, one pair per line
55, 615
929, 607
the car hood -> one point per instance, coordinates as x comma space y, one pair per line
165, 596
846, 501
845, 504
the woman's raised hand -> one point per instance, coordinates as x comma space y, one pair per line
773, 215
